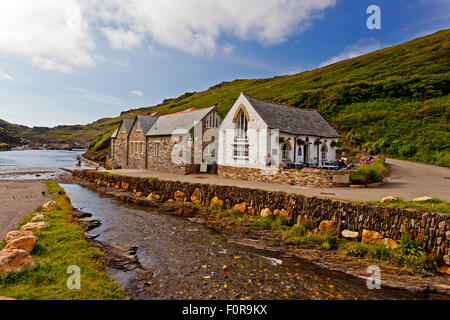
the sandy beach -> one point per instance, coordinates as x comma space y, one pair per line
17, 200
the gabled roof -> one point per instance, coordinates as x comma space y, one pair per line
167, 124
128, 123
146, 122
291, 119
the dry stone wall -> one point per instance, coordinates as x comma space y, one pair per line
299, 177
432, 229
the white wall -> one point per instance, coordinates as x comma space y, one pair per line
257, 138
262, 140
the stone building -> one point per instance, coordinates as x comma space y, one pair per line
119, 143
256, 134
173, 143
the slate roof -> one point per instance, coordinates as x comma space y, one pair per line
128, 123
146, 122
292, 120
167, 124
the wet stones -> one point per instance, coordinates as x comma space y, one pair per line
118, 256
80, 214
177, 209
89, 223
91, 236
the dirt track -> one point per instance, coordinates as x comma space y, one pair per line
18, 200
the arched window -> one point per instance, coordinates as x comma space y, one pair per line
285, 152
241, 125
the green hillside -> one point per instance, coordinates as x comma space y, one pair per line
393, 101
10, 134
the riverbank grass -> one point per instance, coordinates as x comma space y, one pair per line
61, 244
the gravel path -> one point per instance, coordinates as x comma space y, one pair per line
407, 180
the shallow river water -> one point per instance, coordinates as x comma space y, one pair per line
187, 260
35, 164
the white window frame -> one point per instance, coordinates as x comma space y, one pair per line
157, 148
241, 126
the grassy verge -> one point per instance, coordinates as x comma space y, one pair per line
432, 205
61, 244
409, 254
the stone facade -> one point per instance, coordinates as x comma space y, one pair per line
432, 229
136, 148
177, 153
298, 177
119, 147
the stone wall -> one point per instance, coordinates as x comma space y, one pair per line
136, 148
432, 229
299, 177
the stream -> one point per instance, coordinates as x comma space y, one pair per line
184, 260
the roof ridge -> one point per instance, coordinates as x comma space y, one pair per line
185, 111
278, 104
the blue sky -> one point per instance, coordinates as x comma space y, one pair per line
90, 59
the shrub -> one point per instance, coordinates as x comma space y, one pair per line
372, 172
411, 247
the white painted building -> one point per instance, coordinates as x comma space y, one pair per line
256, 133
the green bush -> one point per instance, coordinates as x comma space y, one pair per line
411, 247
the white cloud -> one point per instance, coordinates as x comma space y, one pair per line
196, 25
98, 97
362, 47
51, 34
61, 35
137, 93
5, 76
122, 39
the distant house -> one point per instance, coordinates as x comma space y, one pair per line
256, 133
173, 143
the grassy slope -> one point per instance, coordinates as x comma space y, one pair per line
61, 245
11, 133
394, 101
